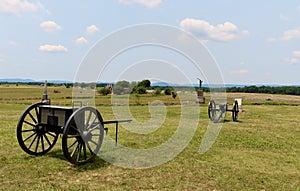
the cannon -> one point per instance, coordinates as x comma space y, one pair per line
81, 129
217, 114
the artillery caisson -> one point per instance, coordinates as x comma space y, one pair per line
82, 130
218, 114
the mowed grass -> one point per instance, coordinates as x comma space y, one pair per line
259, 152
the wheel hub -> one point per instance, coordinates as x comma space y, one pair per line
40, 129
86, 135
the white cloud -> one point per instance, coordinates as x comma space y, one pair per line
205, 31
291, 34
239, 72
18, 6
245, 33
1, 57
284, 18
53, 48
92, 29
271, 39
294, 59
49, 26
81, 40
291, 60
12, 43
268, 74
296, 53
146, 3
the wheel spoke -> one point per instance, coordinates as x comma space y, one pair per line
37, 144
74, 151
72, 144
51, 134
78, 123
94, 142
73, 136
29, 137
96, 134
79, 152
84, 151
90, 149
93, 126
37, 113
42, 141
33, 119
29, 123
28, 130
88, 119
33, 141
94, 121
47, 139
75, 129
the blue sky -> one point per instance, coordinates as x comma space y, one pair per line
253, 42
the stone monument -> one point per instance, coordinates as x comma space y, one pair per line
200, 95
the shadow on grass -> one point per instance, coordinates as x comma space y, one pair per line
96, 163
57, 153
231, 121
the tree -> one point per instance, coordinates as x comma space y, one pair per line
141, 90
121, 87
174, 94
157, 91
104, 91
144, 83
168, 91
67, 85
132, 87
92, 85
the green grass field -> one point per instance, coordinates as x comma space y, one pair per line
259, 152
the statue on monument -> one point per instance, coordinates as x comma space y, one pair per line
200, 82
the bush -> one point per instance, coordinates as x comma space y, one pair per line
174, 94
68, 85
157, 91
121, 87
144, 83
168, 91
140, 90
104, 91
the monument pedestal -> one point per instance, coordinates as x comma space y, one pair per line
200, 95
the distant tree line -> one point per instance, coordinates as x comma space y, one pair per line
141, 87
125, 87
289, 90
37, 84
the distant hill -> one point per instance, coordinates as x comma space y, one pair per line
161, 84
20, 80
16, 80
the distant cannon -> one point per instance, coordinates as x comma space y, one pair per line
216, 114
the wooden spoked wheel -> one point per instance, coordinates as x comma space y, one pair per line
33, 136
235, 111
212, 110
82, 135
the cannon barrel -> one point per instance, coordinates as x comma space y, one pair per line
45, 94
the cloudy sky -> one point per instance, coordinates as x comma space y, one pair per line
253, 42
